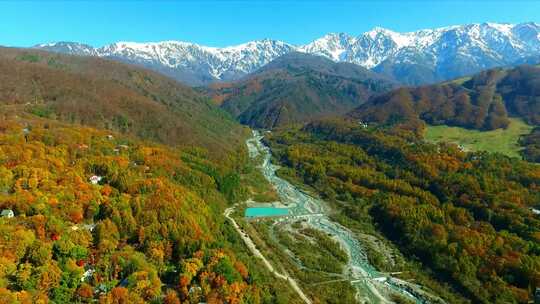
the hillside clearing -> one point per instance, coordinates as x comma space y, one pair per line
503, 141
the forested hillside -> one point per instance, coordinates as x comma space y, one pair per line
113, 181
111, 95
531, 143
483, 101
469, 220
295, 88
100, 216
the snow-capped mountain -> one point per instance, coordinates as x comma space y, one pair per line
433, 55
334, 46
415, 57
73, 48
188, 62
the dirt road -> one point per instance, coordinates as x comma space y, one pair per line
256, 252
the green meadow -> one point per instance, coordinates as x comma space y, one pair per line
503, 141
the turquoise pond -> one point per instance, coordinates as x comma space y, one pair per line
267, 211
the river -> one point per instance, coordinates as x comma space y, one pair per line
372, 286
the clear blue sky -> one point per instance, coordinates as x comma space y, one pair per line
221, 23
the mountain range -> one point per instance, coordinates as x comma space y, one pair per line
419, 57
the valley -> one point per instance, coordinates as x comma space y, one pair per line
381, 167
371, 285
354, 207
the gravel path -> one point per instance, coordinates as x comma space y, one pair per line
256, 252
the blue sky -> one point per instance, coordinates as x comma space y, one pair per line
221, 23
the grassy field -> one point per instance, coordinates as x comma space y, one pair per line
502, 141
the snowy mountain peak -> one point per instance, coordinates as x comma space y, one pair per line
501, 27
264, 44
333, 46
379, 31
401, 40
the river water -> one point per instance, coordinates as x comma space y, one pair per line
372, 286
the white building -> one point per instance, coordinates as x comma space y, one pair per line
95, 179
7, 213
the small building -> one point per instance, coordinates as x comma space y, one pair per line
7, 213
87, 274
89, 227
110, 137
194, 289
95, 179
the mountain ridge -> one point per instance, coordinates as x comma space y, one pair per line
441, 54
484, 101
297, 87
